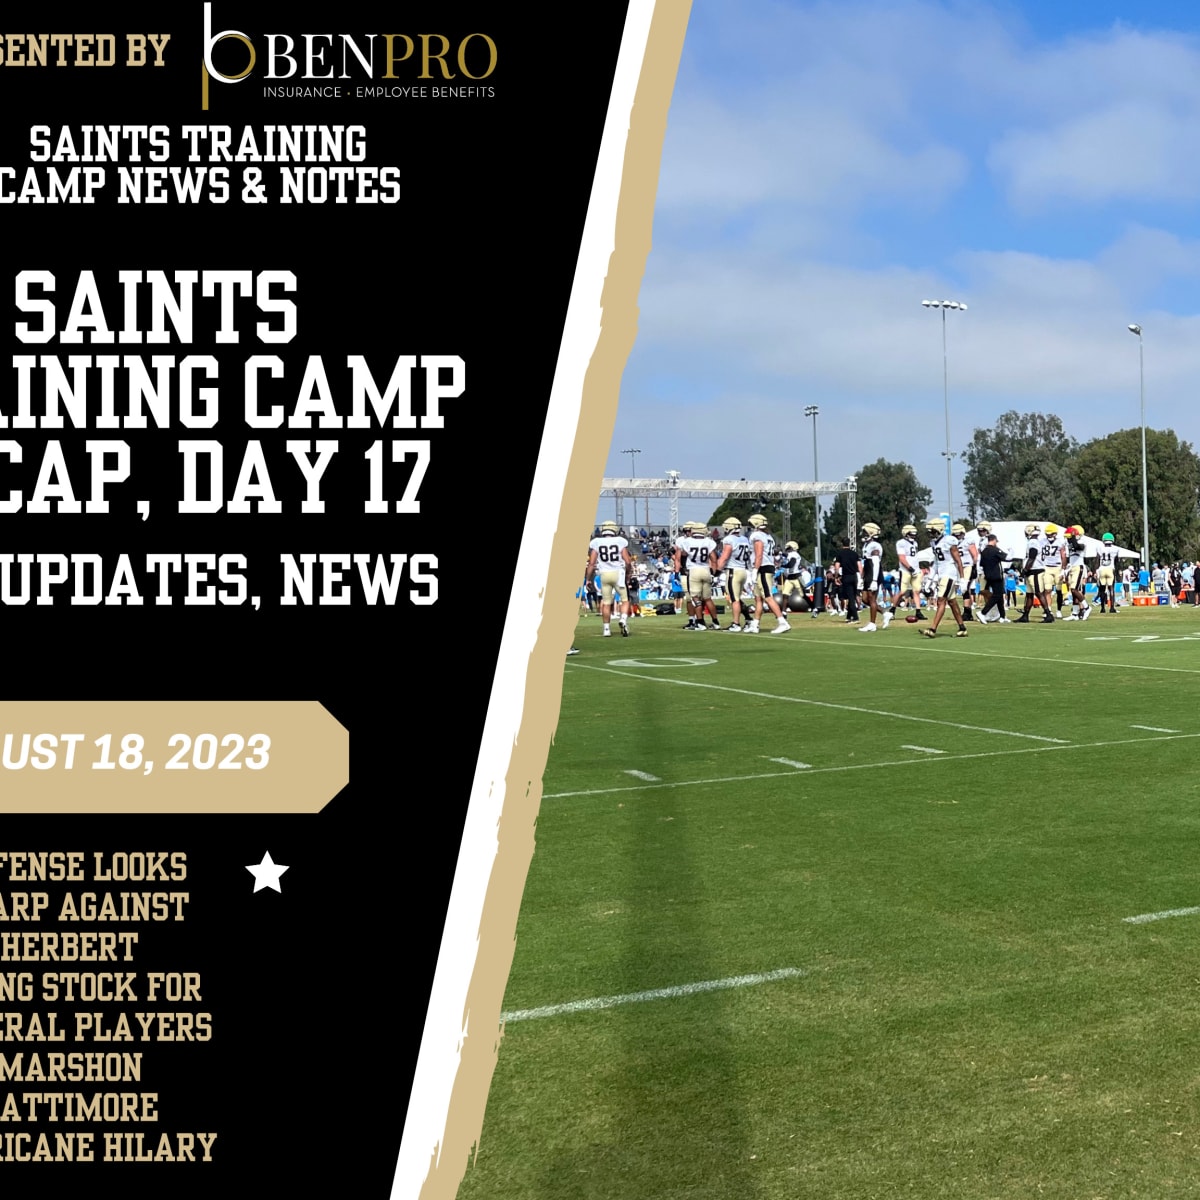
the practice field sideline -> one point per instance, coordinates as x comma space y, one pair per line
993, 1001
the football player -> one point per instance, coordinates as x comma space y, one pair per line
608, 554
1080, 608
872, 576
1031, 571
1052, 554
736, 560
762, 549
790, 565
948, 570
1106, 572
971, 544
910, 569
699, 552
681, 571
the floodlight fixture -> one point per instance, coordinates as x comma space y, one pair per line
948, 454
1137, 331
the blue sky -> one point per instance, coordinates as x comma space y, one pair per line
827, 166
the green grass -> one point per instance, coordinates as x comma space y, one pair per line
975, 1018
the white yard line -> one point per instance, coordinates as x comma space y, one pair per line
871, 766
891, 643
870, 712
666, 993
1160, 916
1154, 729
644, 775
788, 762
923, 749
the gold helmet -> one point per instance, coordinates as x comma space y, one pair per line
958, 529
933, 525
1031, 530
909, 531
732, 524
792, 546
609, 527
758, 521
984, 526
871, 529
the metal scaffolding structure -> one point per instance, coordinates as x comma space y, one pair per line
675, 488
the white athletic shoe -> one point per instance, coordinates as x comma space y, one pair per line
607, 632
887, 618
1005, 621
869, 627
1072, 617
752, 627
978, 615
1086, 612
781, 627
735, 629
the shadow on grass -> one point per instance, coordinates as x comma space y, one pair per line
665, 1070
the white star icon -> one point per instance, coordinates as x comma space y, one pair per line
266, 874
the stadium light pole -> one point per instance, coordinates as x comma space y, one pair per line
813, 411
633, 475
947, 454
1137, 329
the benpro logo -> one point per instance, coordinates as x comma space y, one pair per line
210, 40
346, 55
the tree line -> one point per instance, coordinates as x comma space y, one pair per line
1026, 464
1025, 467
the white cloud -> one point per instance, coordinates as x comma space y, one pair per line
1125, 151
806, 149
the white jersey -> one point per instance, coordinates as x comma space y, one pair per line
1033, 545
970, 547
791, 564
1049, 553
768, 548
1075, 553
943, 559
696, 550
906, 553
1107, 554
609, 550
872, 559
741, 557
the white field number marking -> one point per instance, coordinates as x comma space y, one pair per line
645, 775
923, 749
666, 993
788, 762
1155, 729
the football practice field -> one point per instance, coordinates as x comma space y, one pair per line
845, 915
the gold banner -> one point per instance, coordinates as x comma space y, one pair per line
183, 756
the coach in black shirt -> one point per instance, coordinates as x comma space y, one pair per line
847, 559
991, 563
